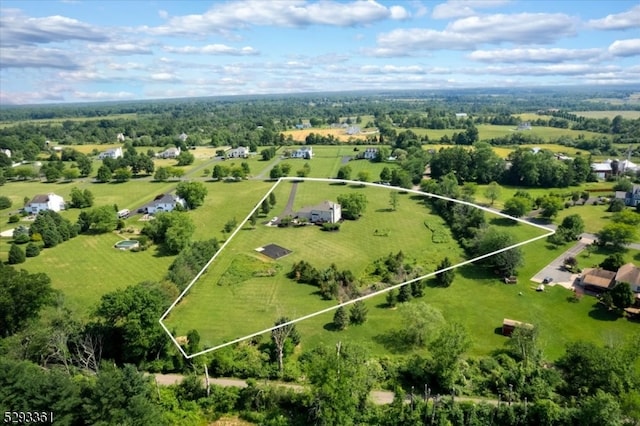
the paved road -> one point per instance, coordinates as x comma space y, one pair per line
288, 210
379, 397
555, 271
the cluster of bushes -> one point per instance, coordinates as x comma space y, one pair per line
333, 284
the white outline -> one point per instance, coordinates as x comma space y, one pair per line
323, 311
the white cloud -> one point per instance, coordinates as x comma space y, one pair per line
468, 33
548, 70
213, 49
234, 15
35, 57
462, 8
102, 95
17, 29
552, 55
619, 21
629, 47
164, 77
120, 48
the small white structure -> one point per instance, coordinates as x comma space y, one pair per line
124, 213
120, 137
6, 152
239, 152
164, 203
628, 166
461, 115
601, 170
170, 153
305, 152
42, 202
524, 126
183, 136
370, 153
353, 130
111, 153
325, 212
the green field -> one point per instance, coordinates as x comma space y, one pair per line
59, 121
488, 131
223, 312
632, 114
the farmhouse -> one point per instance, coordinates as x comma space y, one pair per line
164, 203
170, 153
305, 152
239, 152
630, 198
509, 326
111, 153
44, 202
325, 212
597, 280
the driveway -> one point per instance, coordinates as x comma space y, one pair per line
556, 272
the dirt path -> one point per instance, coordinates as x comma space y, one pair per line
379, 397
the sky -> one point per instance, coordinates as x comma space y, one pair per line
99, 50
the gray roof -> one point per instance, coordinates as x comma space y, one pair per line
40, 199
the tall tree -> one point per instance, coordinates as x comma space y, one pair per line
493, 191
281, 336
192, 192
16, 255
419, 321
358, 313
444, 279
340, 318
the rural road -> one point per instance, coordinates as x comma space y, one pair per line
379, 397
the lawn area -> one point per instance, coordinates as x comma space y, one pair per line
223, 312
86, 267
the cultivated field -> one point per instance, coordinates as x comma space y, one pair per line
338, 133
632, 114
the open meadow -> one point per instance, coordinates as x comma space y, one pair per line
630, 114
243, 291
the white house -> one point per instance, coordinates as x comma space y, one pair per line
120, 137
524, 126
6, 152
325, 212
353, 130
631, 198
183, 136
111, 153
43, 202
170, 153
164, 203
239, 152
461, 115
305, 152
370, 153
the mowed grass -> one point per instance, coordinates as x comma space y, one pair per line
222, 313
86, 267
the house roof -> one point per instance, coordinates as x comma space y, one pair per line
324, 206
597, 277
629, 273
39, 199
601, 167
164, 199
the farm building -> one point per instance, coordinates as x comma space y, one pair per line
325, 212
44, 202
370, 153
601, 170
509, 325
305, 152
111, 153
524, 126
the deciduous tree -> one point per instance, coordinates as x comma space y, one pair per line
192, 192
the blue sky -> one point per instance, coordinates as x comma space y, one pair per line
79, 51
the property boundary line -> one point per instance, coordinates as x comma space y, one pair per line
349, 302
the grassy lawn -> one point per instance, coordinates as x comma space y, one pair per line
632, 114
488, 131
88, 266
223, 312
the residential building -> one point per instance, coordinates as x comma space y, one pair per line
120, 137
353, 130
44, 202
305, 152
524, 126
172, 152
164, 203
325, 212
630, 198
183, 136
597, 280
111, 153
239, 152
630, 274
370, 153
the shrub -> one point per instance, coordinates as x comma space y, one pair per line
5, 202
330, 227
32, 250
16, 255
14, 218
21, 238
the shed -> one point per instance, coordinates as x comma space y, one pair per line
509, 325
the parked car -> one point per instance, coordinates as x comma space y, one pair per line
547, 280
